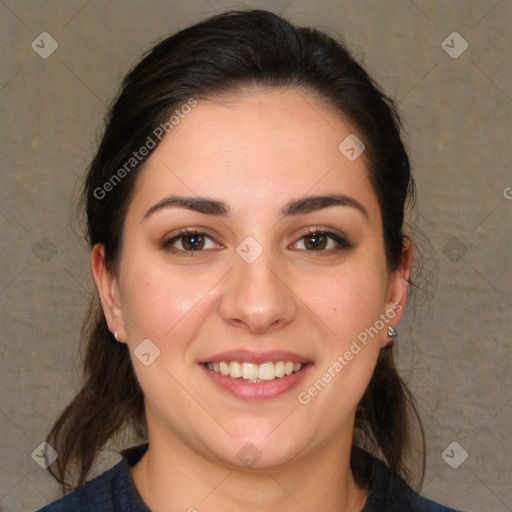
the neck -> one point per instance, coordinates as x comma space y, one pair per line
170, 474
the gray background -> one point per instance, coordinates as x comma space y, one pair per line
455, 351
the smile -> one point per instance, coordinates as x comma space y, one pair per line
253, 372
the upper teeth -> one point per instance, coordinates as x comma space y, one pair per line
253, 371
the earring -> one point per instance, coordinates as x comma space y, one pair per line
115, 335
392, 332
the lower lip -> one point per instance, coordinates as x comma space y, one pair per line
258, 390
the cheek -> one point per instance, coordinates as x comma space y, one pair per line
349, 299
349, 302
166, 306
156, 301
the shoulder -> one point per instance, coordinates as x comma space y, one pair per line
404, 498
426, 505
112, 491
98, 494
389, 493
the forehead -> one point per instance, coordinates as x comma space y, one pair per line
256, 150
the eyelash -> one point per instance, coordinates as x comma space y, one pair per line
341, 241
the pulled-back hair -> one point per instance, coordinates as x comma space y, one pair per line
227, 54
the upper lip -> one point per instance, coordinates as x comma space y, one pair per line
255, 357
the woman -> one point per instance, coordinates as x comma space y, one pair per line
245, 212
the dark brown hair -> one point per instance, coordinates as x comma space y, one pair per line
223, 55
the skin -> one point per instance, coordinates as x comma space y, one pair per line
256, 152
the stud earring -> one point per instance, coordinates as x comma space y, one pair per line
392, 332
115, 335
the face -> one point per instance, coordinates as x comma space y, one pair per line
253, 247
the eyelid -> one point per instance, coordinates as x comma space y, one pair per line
325, 230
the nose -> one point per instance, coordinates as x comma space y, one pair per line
257, 297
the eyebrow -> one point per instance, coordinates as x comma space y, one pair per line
295, 207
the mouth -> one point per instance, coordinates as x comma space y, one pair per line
253, 372
252, 375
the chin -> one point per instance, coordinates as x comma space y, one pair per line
253, 451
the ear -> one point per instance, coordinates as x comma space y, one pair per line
108, 291
398, 284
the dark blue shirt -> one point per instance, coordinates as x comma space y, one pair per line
115, 491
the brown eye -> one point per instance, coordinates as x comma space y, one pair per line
322, 241
189, 242
193, 242
315, 241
